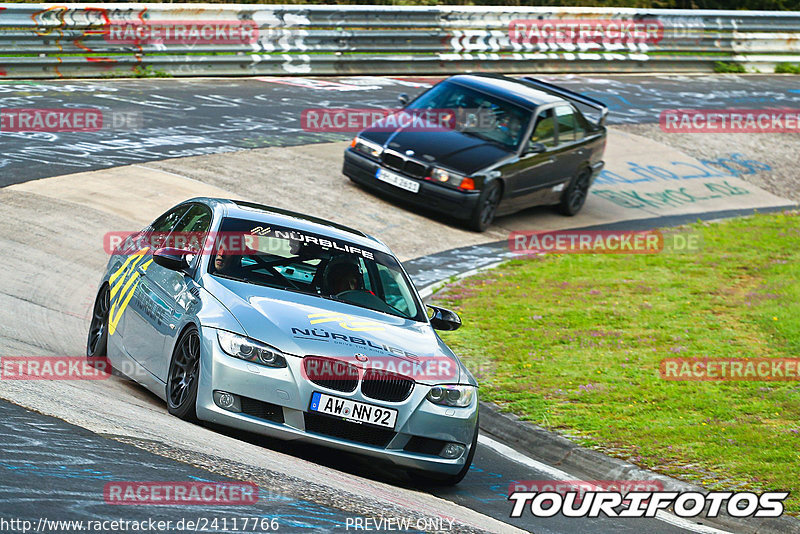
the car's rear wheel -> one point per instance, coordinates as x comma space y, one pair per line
450, 480
97, 342
575, 194
483, 214
184, 372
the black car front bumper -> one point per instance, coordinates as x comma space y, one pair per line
459, 204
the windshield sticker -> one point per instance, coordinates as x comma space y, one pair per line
299, 237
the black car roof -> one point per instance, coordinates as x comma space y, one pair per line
511, 89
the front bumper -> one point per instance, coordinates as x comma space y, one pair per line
433, 196
278, 401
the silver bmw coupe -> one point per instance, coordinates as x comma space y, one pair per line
290, 326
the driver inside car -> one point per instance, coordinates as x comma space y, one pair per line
227, 262
342, 274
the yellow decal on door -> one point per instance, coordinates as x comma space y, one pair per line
124, 282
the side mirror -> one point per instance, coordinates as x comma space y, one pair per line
403, 98
535, 148
444, 319
172, 258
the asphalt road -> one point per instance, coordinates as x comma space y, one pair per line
55, 471
43, 300
154, 119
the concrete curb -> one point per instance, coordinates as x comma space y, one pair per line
587, 464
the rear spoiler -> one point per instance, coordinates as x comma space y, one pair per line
569, 95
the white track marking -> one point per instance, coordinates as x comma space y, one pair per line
558, 474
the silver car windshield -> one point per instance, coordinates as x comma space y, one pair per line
313, 264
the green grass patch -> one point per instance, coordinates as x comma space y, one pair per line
787, 68
728, 67
574, 343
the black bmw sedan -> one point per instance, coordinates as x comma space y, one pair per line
498, 145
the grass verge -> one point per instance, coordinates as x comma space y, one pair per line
574, 342
787, 68
727, 67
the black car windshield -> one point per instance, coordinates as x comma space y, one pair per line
477, 113
284, 258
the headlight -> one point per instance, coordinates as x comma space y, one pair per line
369, 148
250, 350
452, 178
458, 396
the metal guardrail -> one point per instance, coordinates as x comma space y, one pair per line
88, 40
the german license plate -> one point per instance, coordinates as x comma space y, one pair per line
396, 180
353, 410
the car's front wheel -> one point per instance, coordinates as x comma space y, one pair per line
575, 194
184, 372
483, 214
97, 343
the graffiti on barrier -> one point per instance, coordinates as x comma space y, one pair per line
732, 166
672, 197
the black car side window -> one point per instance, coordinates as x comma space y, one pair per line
545, 131
566, 124
581, 126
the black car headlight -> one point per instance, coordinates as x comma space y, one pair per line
452, 178
373, 150
450, 395
250, 350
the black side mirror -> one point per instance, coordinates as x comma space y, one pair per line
535, 148
444, 319
403, 98
173, 259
